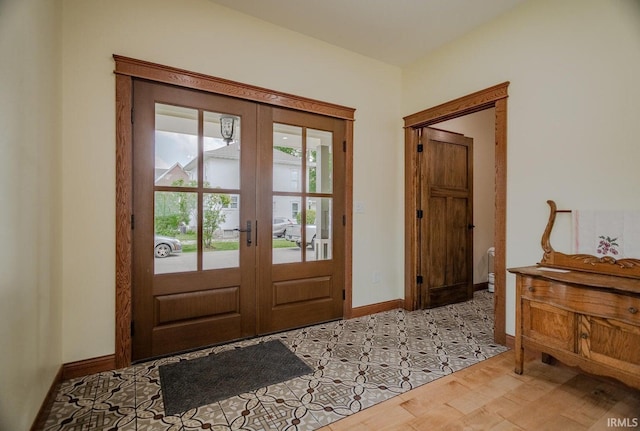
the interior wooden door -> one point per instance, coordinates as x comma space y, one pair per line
446, 227
302, 161
194, 195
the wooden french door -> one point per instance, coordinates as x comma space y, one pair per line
210, 175
302, 159
446, 225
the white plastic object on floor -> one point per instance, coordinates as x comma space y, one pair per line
491, 253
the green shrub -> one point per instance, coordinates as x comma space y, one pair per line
167, 225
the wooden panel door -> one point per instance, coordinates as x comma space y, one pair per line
233, 236
446, 235
193, 202
304, 157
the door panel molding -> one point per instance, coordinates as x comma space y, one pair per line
128, 69
289, 292
207, 303
495, 96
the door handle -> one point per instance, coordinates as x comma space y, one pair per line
248, 231
470, 226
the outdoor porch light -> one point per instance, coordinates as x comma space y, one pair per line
227, 124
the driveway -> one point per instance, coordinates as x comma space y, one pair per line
222, 259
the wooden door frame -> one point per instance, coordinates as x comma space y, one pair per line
126, 70
492, 97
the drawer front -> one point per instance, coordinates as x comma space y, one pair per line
583, 300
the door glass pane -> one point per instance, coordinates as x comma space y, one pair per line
221, 155
220, 240
176, 146
176, 231
285, 230
319, 228
319, 161
287, 158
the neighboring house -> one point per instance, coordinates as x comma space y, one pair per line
168, 177
221, 170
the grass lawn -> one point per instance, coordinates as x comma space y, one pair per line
231, 245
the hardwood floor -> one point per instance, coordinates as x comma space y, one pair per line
490, 396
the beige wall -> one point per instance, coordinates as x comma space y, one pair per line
30, 251
573, 104
202, 36
481, 127
572, 131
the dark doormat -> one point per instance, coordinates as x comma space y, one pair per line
198, 382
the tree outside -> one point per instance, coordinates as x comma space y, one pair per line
310, 219
175, 209
212, 215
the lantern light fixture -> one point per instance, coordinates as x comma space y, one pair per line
227, 126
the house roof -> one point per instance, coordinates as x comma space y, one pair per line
232, 152
169, 176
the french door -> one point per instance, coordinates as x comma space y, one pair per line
211, 176
301, 169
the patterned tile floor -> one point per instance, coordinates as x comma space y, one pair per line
357, 363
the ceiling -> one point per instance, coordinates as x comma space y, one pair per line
397, 32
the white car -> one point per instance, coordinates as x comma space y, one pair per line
293, 234
280, 226
165, 246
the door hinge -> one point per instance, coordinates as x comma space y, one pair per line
132, 328
420, 214
132, 222
344, 146
344, 294
419, 279
420, 148
131, 115
344, 220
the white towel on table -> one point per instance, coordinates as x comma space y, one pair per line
607, 233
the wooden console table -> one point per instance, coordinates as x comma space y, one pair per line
580, 309
583, 319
